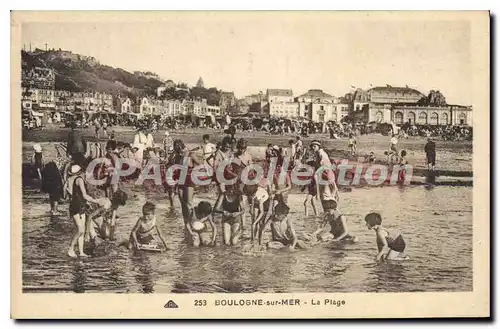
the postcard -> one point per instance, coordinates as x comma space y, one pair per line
249, 165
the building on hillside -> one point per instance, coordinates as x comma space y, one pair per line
196, 107
123, 105
173, 107
41, 99
214, 110
200, 83
38, 78
160, 91
227, 101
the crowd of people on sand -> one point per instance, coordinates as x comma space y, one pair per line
265, 203
277, 126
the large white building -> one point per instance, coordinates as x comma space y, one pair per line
401, 105
280, 103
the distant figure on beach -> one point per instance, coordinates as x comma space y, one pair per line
393, 150
37, 160
76, 143
430, 152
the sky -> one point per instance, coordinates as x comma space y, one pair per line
252, 53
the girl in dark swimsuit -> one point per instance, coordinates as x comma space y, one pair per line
391, 245
186, 187
37, 160
338, 226
232, 208
77, 208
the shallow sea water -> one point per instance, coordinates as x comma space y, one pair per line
436, 224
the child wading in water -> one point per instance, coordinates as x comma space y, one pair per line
312, 192
78, 207
197, 228
391, 245
260, 205
282, 230
338, 225
144, 231
104, 218
232, 208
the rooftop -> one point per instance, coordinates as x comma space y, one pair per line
318, 93
280, 92
395, 89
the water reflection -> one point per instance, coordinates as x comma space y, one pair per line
390, 276
79, 277
144, 273
436, 224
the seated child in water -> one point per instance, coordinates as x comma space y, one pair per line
197, 228
283, 231
338, 226
144, 231
391, 245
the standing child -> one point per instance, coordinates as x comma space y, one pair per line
197, 228
232, 208
402, 167
145, 231
352, 144
37, 160
78, 207
52, 183
391, 245
312, 192
338, 225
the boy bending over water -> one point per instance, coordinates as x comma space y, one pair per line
338, 225
197, 228
144, 232
283, 231
391, 245
260, 205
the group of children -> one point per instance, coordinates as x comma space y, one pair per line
266, 203
266, 213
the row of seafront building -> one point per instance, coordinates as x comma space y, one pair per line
66, 101
385, 104
379, 104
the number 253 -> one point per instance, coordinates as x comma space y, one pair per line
200, 302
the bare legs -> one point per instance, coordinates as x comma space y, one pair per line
80, 221
310, 198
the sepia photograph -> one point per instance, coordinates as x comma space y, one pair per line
250, 164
